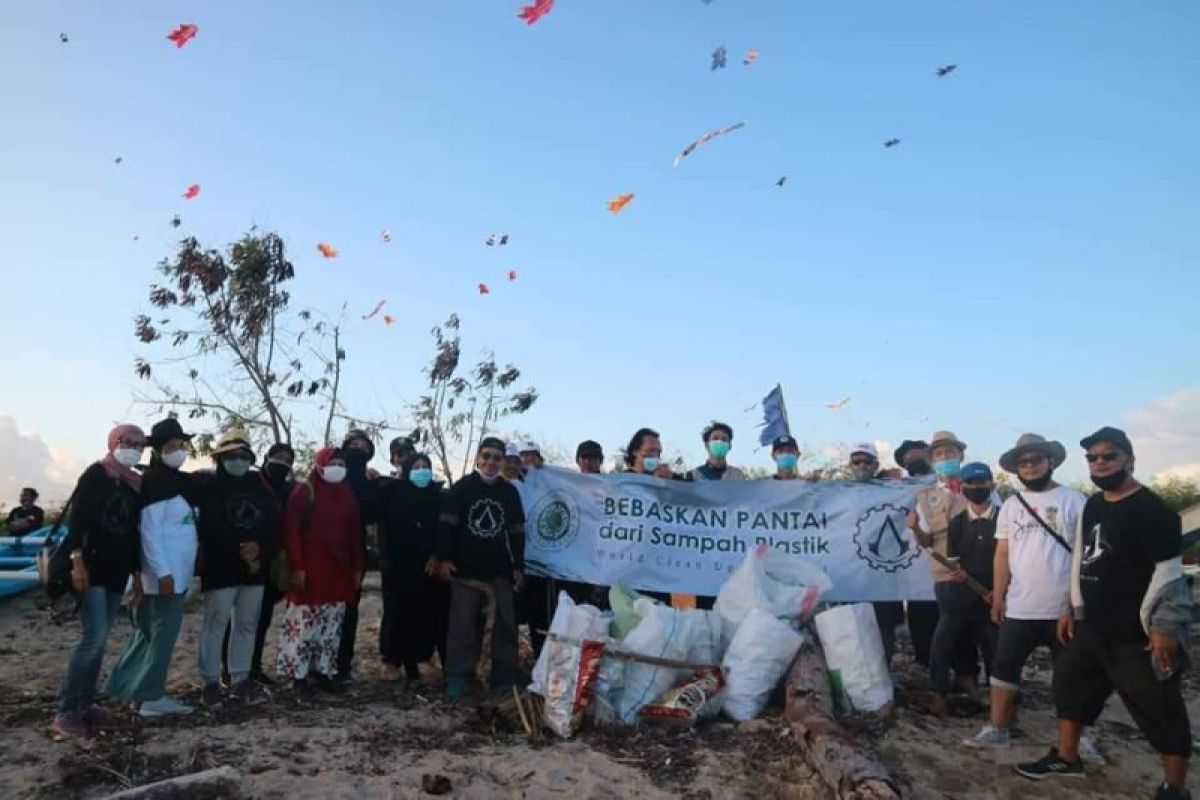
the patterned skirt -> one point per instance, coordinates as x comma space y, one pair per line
309, 639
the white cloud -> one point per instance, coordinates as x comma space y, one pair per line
1166, 435
28, 460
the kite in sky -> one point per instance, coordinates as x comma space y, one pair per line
63, 38
118, 160
483, 289
492, 240
135, 237
191, 192
374, 310
705, 139
751, 56
327, 250
837, 405
386, 236
512, 274
891, 143
619, 203
176, 221
533, 13
781, 181
946, 70
183, 34
388, 319
718, 58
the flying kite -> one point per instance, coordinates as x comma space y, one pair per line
946, 70
751, 56
493, 240
135, 237
118, 160
327, 250
483, 289
718, 58
62, 37
619, 203
191, 192
388, 319
386, 236
533, 13
691, 148
837, 405
512, 274
176, 221
183, 34
781, 181
891, 143
374, 310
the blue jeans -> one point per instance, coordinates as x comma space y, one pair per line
97, 613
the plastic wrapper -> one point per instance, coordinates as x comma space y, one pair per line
570, 682
686, 702
579, 622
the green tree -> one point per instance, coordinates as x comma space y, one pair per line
1178, 493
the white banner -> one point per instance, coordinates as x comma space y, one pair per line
686, 537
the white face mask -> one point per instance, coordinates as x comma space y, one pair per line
127, 456
333, 473
175, 458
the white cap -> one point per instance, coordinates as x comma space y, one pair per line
865, 447
530, 446
511, 450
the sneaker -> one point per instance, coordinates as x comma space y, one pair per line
988, 737
249, 693
69, 725
261, 678
456, 688
1050, 765
1169, 792
211, 696
163, 706
97, 717
1089, 752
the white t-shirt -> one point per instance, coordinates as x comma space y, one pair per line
1040, 567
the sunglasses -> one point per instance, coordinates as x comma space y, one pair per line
1106, 456
490, 455
1030, 461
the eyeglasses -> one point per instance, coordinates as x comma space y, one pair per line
1106, 456
490, 456
1031, 461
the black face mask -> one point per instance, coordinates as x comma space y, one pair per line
1110, 483
919, 467
977, 494
277, 473
355, 457
1037, 484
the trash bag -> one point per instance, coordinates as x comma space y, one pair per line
759, 656
579, 622
784, 586
625, 618
853, 649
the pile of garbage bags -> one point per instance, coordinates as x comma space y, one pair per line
646, 662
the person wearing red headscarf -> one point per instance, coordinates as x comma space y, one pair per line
322, 536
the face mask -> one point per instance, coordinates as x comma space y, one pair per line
919, 467
237, 467
356, 457
127, 456
719, 448
278, 471
787, 461
334, 473
421, 477
1036, 484
487, 478
977, 494
650, 464
1110, 483
948, 468
175, 458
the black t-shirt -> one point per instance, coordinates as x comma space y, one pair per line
1122, 542
33, 514
103, 523
974, 542
482, 528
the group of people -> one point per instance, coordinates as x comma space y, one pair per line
1098, 579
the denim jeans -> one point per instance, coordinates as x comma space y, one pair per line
97, 613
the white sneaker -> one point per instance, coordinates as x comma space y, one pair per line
164, 706
988, 737
1088, 751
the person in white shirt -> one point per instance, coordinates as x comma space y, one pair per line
1031, 572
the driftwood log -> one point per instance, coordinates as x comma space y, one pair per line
224, 782
828, 749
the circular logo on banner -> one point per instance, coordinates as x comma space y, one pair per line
555, 521
884, 540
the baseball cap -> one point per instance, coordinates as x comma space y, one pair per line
783, 441
1108, 434
865, 447
512, 451
530, 446
975, 471
589, 449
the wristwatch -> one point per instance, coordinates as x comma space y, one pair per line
76, 555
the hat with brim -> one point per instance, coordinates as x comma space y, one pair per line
906, 446
232, 441
942, 438
165, 431
1032, 443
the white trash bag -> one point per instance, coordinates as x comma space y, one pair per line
783, 585
854, 652
759, 656
579, 622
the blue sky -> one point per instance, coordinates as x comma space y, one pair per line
1035, 224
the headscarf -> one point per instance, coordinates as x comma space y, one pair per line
115, 469
328, 499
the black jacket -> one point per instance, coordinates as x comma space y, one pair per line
233, 511
104, 522
407, 524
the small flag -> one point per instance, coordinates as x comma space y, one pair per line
775, 421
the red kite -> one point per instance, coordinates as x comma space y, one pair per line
512, 274
615, 206
533, 13
183, 34
388, 319
327, 250
751, 56
838, 404
483, 289
191, 192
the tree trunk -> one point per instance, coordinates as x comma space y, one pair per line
849, 772
219, 782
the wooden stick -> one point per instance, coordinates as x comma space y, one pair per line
640, 658
974, 585
521, 711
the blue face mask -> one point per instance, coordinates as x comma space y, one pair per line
719, 448
947, 468
650, 464
420, 477
787, 461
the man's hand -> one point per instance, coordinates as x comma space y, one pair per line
1066, 628
166, 586
987, 598
79, 575
431, 567
958, 576
663, 471
912, 521
446, 571
998, 609
299, 579
1163, 648
924, 539
248, 551
518, 580
135, 598
372, 473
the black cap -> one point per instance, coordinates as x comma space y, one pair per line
280, 447
905, 446
359, 433
402, 445
491, 443
165, 431
1108, 434
783, 441
589, 449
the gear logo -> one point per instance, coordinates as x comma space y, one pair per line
884, 540
555, 521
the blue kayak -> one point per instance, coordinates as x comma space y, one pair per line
18, 561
